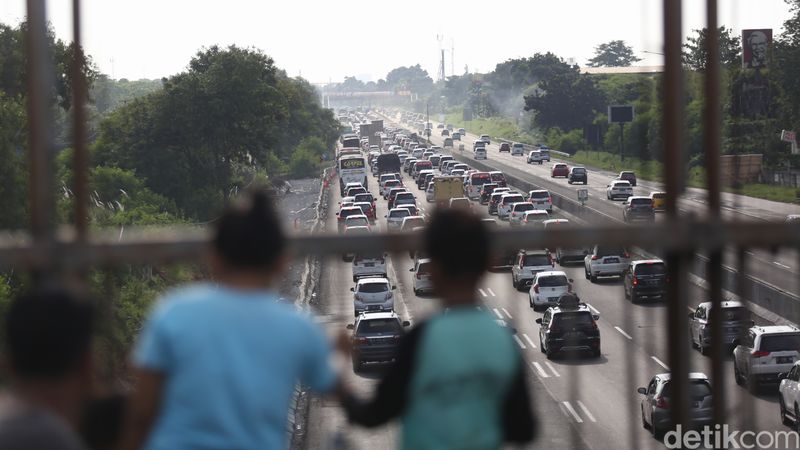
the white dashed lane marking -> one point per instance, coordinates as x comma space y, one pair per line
569, 409
540, 370
659, 362
483, 293
552, 368
499, 316
505, 311
623, 333
519, 342
528, 340
491, 292
586, 411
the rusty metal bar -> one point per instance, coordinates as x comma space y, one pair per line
40, 152
673, 132
712, 139
81, 159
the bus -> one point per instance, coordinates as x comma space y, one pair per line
475, 183
351, 141
352, 169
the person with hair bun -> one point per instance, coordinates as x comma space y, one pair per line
217, 363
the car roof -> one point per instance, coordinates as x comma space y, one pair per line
537, 212
533, 251
377, 315
356, 215
622, 182
647, 261
666, 376
372, 280
769, 329
639, 197
350, 208
398, 209
725, 304
556, 221
412, 217
551, 273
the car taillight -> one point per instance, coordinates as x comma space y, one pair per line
419, 276
635, 281
661, 402
536, 288
569, 287
360, 340
759, 354
595, 257
626, 255
549, 259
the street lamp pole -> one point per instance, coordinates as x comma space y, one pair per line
427, 121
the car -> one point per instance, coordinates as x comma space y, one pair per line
566, 255
659, 201
494, 199
486, 191
619, 188
789, 396
372, 294
367, 209
394, 219
655, 406
559, 170
422, 276
460, 202
392, 193
384, 177
518, 211
479, 143
435, 159
792, 219
420, 166
407, 164
628, 176
417, 153
388, 185
528, 263
504, 205
645, 279
486, 138
735, 319
578, 175
569, 326
462, 131
534, 218
344, 213
403, 198
457, 172
498, 177
412, 222
449, 127
480, 153
369, 264
365, 197
505, 147
456, 136
350, 231
376, 338
430, 192
356, 220
440, 125
354, 190
422, 176
443, 159
541, 199
547, 287
545, 152
638, 208
412, 209
517, 149
445, 133
763, 353
535, 156
604, 261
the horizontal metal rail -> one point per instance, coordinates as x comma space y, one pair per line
681, 236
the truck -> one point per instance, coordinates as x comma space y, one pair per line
445, 188
388, 163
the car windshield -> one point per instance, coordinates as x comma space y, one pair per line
523, 207
392, 182
609, 251
379, 326
579, 171
641, 202
363, 256
353, 221
698, 390
540, 195
572, 319
373, 288
513, 199
651, 269
349, 212
536, 260
411, 223
621, 184
498, 177
364, 198
780, 342
399, 213
734, 314
553, 281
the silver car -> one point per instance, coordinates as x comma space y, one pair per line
656, 403
735, 319
372, 294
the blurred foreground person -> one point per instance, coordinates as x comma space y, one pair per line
459, 380
48, 350
217, 363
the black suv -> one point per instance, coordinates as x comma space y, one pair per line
486, 191
376, 337
578, 175
645, 279
505, 147
638, 208
570, 326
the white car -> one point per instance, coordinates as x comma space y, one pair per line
517, 149
534, 218
485, 137
386, 177
789, 396
547, 287
356, 221
537, 157
394, 219
528, 264
372, 294
764, 352
369, 264
541, 199
605, 261
422, 277
619, 189
388, 185
429, 193
517, 213
480, 153
504, 206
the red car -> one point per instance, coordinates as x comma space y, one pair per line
560, 170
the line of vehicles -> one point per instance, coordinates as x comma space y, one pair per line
762, 355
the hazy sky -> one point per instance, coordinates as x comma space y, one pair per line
327, 40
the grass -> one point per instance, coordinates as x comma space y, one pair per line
496, 127
775, 193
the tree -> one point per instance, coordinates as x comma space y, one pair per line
412, 78
613, 54
695, 56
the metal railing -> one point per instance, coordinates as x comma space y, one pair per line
52, 256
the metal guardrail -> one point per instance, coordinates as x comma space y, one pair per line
529, 148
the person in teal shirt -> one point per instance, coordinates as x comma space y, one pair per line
217, 363
458, 381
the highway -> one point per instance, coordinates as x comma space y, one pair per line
580, 403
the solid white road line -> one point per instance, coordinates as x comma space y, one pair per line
483, 293
491, 292
586, 411
552, 368
499, 316
507, 313
658, 361
572, 412
540, 370
623, 333
781, 265
594, 310
529, 340
521, 345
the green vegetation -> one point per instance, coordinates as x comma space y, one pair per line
493, 126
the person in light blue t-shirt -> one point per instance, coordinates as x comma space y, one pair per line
217, 364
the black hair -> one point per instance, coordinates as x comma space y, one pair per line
458, 242
249, 235
48, 334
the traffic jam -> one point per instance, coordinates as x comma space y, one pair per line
392, 180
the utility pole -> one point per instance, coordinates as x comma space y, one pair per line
452, 57
621, 141
427, 121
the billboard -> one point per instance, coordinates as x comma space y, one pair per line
620, 113
755, 48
